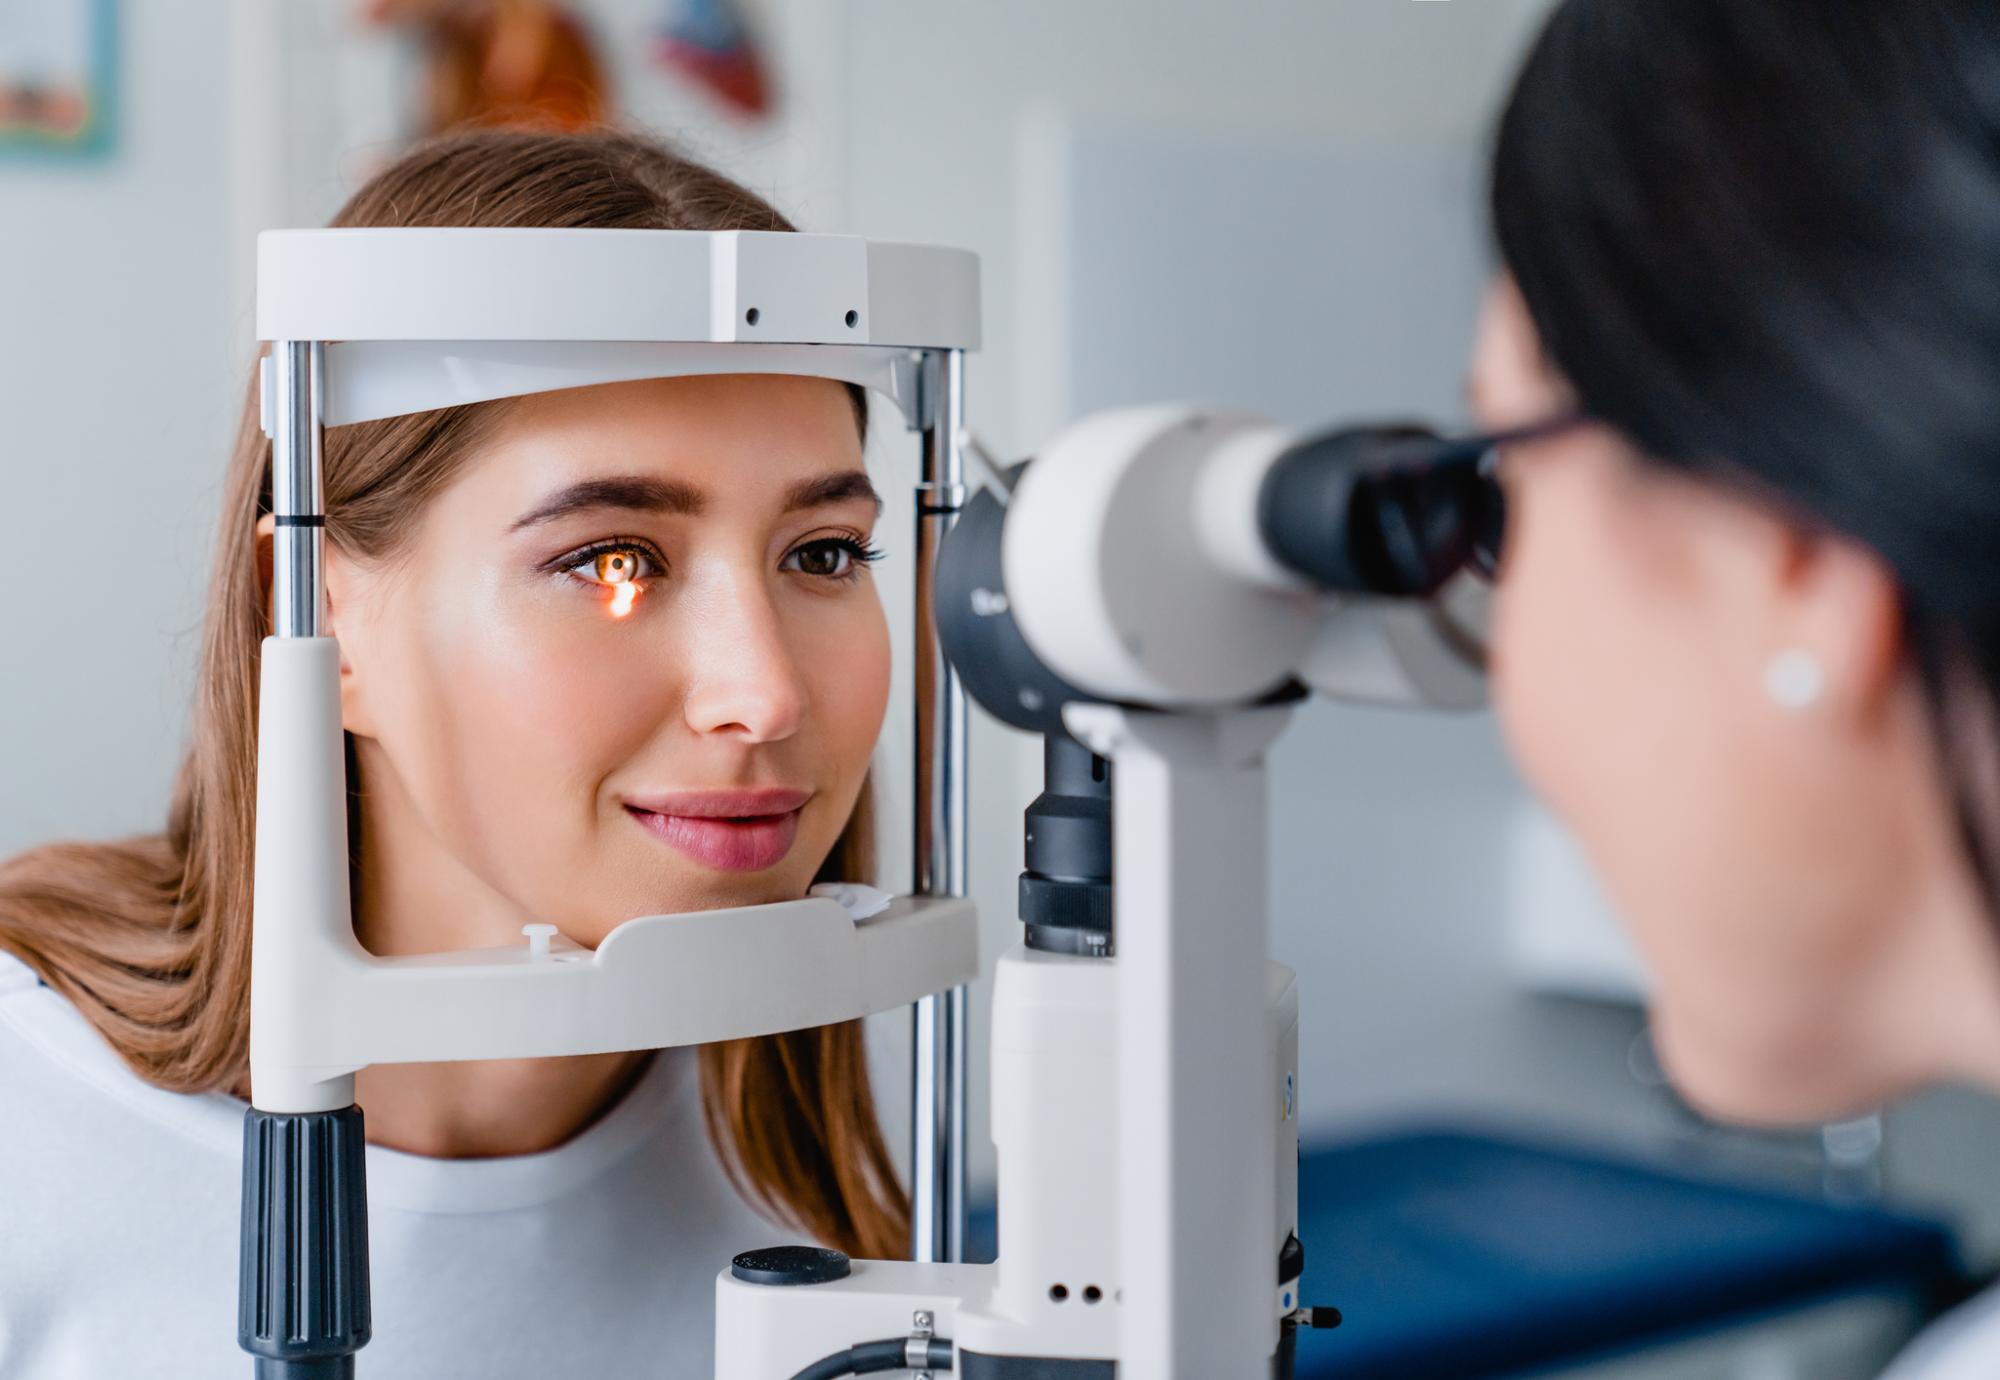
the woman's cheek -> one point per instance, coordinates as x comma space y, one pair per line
852, 672
567, 691
873, 689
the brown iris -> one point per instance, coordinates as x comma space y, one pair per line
617, 567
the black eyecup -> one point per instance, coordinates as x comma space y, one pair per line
1393, 510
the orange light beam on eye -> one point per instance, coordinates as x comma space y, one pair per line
622, 597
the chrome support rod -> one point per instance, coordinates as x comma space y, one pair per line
957, 1015
937, 1109
297, 498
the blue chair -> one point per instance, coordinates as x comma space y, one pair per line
1453, 1254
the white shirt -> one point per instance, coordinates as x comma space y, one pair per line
1963, 1345
118, 1229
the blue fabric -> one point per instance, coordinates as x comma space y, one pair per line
1453, 1254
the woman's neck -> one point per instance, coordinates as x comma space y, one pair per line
492, 1107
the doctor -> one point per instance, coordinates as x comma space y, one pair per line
1748, 636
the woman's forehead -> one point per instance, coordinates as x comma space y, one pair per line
726, 410
701, 441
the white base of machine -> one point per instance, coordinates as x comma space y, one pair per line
1058, 1287
770, 1330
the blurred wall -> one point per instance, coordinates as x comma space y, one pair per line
122, 364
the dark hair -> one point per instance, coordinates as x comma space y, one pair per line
1761, 238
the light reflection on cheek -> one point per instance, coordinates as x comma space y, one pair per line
623, 596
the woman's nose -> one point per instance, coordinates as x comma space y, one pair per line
745, 680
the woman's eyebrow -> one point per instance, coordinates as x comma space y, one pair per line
641, 493
831, 488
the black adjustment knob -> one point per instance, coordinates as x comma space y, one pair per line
302, 1302
790, 1265
1066, 893
1291, 1259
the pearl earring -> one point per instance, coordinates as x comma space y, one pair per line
1794, 680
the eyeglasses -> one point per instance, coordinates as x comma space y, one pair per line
1432, 476
1436, 515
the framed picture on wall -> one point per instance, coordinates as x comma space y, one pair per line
58, 75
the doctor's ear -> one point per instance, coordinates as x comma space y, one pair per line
1838, 635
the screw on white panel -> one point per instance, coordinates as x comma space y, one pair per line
916, 1347
538, 939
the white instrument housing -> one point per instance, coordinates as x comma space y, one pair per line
718, 287
1136, 571
1058, 1288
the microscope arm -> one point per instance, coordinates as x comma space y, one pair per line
1160, 586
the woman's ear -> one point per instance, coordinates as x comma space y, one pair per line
341, 598
267, 542
353, 715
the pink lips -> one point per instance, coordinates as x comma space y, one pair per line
731, 831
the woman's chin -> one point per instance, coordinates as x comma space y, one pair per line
1774, 1078
698, 891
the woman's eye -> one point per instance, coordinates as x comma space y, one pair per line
613, 565
616, 567
832, 558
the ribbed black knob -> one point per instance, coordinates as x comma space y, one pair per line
1066, 893
302, 1298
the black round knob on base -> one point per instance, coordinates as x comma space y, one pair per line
790, 1265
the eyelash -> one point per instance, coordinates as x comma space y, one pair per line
860, 555
568, 564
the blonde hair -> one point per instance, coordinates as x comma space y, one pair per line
149, 937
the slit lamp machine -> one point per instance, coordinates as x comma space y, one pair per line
1152, 595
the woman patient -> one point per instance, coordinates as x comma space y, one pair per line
607, 652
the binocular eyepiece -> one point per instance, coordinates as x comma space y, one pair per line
1389, 510
1385, 512
1378, 511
